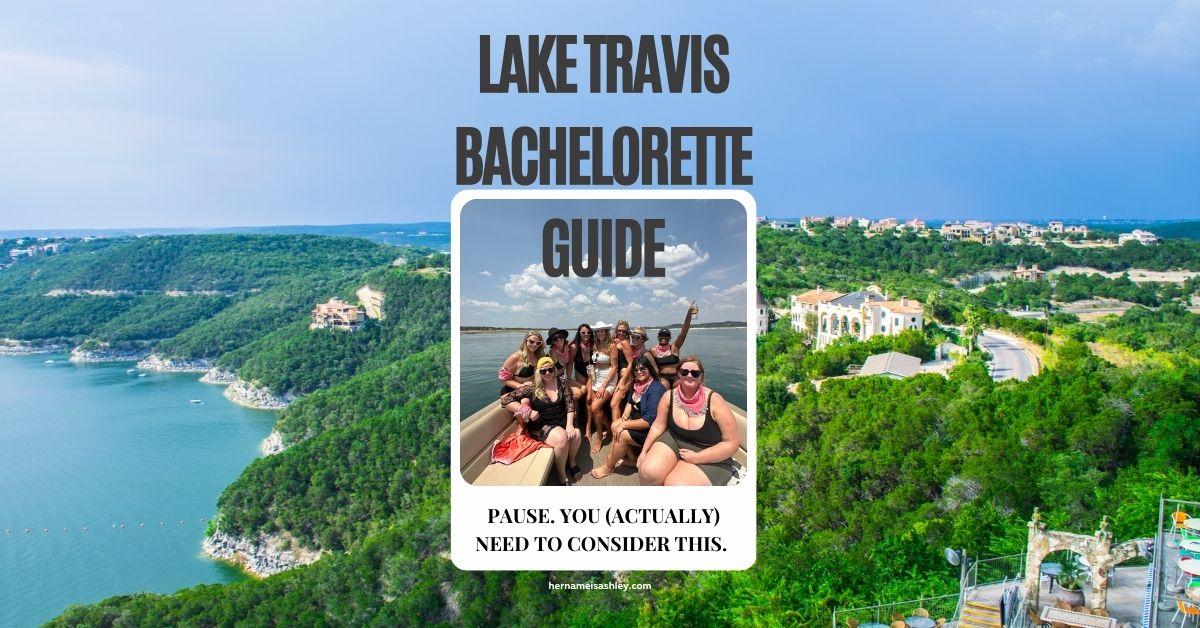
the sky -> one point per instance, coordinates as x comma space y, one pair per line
504, 281
128, 114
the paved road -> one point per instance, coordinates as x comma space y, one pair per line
1009, 360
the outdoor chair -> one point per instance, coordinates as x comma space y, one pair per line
898, 617
1034, 618
852, 623
899, 624
1099, 612
1188, 610
1063, 605
941, 621
1177, 520
920, 612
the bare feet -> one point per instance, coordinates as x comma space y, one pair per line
597, 442
602, 471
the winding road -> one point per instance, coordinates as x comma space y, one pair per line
1009, 360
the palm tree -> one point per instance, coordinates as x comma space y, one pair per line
973, 326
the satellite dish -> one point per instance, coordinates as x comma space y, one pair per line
952, 557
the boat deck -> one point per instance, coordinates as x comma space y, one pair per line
625, 475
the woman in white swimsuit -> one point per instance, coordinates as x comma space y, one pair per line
603, 384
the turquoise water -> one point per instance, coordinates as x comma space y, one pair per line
95, 446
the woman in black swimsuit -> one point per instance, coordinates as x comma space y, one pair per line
581, 354
693, 439
557, 348
545, 409
625, 356
666, 353
519, 366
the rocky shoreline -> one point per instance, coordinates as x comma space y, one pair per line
272, 444
17, 347
80, 355
246, 394
219, 377
171, 365
266, 555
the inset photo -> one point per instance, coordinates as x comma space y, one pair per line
603, 342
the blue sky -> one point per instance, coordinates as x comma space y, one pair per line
504, 283
220, 113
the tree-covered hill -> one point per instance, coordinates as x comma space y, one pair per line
153, 288
860, 484
299, 360
841, 258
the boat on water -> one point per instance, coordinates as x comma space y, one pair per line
478, 432
130, 371
143, 375
48, 362
197, 401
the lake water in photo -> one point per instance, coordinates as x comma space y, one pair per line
94, 446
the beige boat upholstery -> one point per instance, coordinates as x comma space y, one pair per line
487, 426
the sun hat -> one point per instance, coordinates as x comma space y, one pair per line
641, 331
554, 331
601, 325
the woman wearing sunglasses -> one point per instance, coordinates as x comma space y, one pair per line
641, 407
693, 441
666, 353
546, 411
519, 366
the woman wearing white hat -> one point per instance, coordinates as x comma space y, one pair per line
604, 358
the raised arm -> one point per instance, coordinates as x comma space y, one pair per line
687, 324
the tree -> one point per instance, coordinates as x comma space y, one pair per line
973, 326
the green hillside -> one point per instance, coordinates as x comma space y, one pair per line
159, 286
860, 484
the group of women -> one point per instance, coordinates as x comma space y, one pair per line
646, 399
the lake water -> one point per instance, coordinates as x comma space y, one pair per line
722, 349
95, 446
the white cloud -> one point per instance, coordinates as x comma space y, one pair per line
679, 259
1175, 39
581, 299
710, 288
486, 305
645, 283
607, 298
533, 283
39, 80
485, 273
661, 294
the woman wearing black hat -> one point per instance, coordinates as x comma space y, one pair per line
556, 341
666, 353
560, 351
